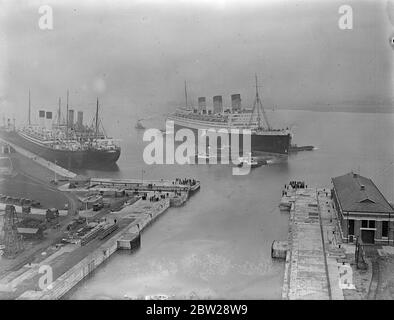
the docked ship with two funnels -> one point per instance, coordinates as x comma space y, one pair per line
265, 140
67, 142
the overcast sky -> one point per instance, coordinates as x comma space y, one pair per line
136, 55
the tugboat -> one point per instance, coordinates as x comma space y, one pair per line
295, 148
249, 161
205, 156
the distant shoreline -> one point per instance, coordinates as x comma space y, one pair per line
346, 109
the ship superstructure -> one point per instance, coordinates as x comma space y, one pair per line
264, 139
65, 141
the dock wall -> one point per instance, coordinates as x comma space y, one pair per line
311, 269
74, 275
41, 161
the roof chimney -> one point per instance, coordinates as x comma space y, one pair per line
354, 175
362, 187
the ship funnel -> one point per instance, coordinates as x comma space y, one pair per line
217, 104
41, 118
202, 105
48, 120
235, 102
71, 118
80, 120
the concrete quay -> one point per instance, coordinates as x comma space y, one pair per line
49, 268
312, 269
143, 185
72, 263
114, 186
45, 163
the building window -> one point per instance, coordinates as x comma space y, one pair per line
385, 229
368, 224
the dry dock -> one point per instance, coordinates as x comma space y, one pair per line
312, 268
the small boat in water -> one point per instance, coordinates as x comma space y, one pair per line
249, 161
206, 156
295, 148
139, 125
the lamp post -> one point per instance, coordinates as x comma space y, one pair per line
55, 172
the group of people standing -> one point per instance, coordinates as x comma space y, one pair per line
157, 197
296, 185
185, 181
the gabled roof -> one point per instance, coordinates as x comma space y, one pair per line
359, 194
28, 230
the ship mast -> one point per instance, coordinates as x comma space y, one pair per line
29, 110
59, 112
67, 119
97, 107
257, 103
185, 95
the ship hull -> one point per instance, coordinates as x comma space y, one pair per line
66, 158
261, 143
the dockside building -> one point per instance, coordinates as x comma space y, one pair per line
363, 211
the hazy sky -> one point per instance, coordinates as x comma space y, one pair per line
135, 55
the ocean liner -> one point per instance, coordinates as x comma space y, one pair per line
265, 140
69, 144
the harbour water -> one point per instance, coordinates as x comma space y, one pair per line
218, 245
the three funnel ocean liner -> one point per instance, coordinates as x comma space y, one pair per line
67, 143
265, 140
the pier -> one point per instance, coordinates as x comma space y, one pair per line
45, 163
70, 263
129, 186
313, 250
66, 255
144, 185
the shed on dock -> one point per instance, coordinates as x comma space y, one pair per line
279, 249
363, 211
79, 181
31, 233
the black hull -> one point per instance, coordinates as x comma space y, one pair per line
65, 158
266, 144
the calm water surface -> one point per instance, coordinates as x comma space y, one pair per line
218, 245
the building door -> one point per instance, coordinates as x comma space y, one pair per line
368, 236
351, 227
